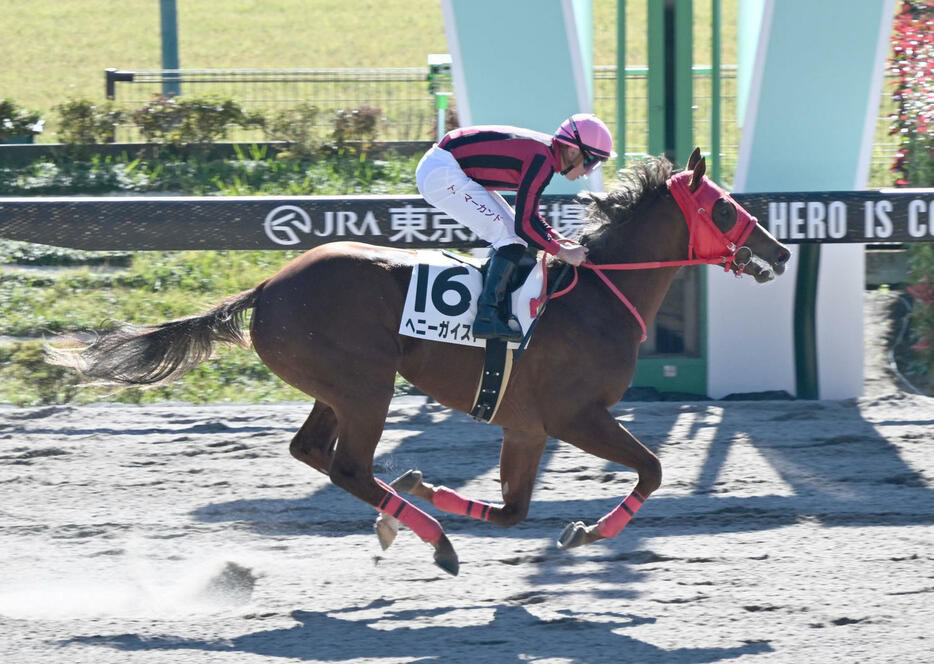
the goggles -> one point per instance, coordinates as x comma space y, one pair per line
591, 162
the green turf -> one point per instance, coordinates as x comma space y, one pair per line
54, 50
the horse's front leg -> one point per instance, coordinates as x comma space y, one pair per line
597, 432
519, 460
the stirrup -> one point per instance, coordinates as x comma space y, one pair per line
494, 327
515, 328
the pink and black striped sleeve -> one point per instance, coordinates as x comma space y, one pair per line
530, 225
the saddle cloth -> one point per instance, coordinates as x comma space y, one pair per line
441, 302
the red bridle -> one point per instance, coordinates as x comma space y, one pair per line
706, 240
707, 244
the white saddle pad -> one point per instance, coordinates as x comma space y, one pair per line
441, 302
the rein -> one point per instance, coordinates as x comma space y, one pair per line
702, 231
651, 265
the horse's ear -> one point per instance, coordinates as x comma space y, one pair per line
695, 157
699, 169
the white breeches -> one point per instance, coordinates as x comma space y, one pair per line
444, 185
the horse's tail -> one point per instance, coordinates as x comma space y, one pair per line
134, 355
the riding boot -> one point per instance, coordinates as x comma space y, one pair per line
493, 318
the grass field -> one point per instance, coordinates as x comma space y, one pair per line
144, 288
53, 50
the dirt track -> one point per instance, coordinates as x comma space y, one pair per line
785, 531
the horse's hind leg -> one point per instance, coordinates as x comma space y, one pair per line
314, 442
360, 426
597, 432
519, 459
314, 445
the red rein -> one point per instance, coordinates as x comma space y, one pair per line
707, 244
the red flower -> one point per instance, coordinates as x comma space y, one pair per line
923, 290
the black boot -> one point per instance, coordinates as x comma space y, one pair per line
493, 318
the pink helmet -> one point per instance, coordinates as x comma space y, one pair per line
587, 132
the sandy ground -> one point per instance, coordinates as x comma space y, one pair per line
785, 531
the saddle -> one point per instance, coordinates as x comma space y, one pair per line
440, 306
523, 268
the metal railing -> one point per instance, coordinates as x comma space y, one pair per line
407, 107
637, 124
637, 129
409, 112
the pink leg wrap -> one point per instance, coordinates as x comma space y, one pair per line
613, 523
450, 501
423, 525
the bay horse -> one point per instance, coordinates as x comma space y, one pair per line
328, 324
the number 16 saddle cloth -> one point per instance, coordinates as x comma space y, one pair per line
441, 304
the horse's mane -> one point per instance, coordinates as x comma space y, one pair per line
640, 182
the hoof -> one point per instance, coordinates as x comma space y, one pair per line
574, 534
446, 557
407, 481
386, 527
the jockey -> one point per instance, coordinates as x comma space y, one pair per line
461, 174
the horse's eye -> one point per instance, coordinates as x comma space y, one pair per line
724, 214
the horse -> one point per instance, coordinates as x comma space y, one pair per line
328, 324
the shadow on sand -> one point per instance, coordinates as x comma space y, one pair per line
854, 477
503, 634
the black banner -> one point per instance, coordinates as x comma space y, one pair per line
302, 222
888, 215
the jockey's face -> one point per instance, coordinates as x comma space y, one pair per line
580, 163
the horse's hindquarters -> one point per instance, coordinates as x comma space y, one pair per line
326, 323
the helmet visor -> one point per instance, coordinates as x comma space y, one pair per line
591, 162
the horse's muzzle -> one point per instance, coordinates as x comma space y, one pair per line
766, 269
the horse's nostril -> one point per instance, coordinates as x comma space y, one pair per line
783, 256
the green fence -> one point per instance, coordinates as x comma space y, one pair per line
409, 112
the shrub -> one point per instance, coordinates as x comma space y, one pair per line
913, 123
358, 125
16, 122
295, 126
356, 128
185, 121
28, 380
85, 123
